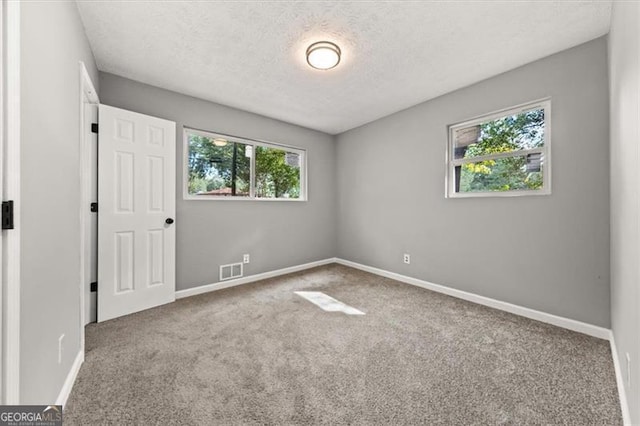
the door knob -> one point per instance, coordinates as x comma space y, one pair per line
169, 221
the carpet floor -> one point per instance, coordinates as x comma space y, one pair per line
260, 354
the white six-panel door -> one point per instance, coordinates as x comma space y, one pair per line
136, 209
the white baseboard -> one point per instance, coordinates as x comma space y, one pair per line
622, 393
71, 378
249, 279
580, 327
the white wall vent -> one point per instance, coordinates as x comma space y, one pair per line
230, 271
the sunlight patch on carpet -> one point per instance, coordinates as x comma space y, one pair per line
328, 303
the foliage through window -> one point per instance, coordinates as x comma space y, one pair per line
220, 166
505, 153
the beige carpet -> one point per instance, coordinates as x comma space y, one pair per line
259, 354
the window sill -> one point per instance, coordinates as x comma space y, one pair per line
499, 194
270, 200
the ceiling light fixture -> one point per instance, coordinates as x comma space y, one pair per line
220, 142
323, 55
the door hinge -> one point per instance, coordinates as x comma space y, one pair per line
94, 207
94, 127
7, 215
94, 287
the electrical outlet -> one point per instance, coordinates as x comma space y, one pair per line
60, 340
246, 258
628, 370
406, 258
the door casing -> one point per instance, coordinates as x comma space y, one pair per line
10, 188
88, 96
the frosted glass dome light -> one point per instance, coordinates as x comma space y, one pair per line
323, 55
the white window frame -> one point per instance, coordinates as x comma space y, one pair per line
253, 142
452, 163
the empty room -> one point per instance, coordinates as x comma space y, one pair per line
320, 212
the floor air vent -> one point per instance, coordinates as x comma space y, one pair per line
230, 271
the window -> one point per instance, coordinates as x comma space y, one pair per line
501, 154
227, 167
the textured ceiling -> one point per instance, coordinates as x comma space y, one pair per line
250, 54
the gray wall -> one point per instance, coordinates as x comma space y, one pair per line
549, 253
53, 42
276, 234
624, 73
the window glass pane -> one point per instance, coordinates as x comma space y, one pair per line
502, 174
218, 167
277, 173
506, 134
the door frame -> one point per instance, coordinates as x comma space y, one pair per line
10, 318
88, 95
